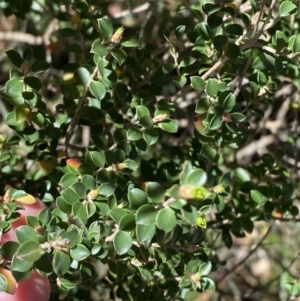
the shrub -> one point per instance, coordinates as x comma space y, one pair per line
146, 141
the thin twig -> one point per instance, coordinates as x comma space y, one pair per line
78, 108
248, 255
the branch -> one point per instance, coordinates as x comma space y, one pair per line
23, 37
249, 254
78, 108
135, 10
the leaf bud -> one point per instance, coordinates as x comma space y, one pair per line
159, 118
117, 36
172, 38
93, 194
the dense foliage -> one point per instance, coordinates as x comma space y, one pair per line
155, 133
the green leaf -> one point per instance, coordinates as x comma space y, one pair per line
99, 48
168, 67
39, 66
214, 21
33, 82
257, 197
137, 197
82, 75
131, 164
229, 102
95, 158
80, 252
79, 211
205, 268
134, 134
21, 113
117, 213
44, 217
68, 32
107, 189
28, 54
29, 251
74, 193
151, 136
166, 219
3, 283
31, 134
61, 262
220, 41
232, 51
145, 233
119, 54
210, 8
14, 85
127, 222
287, 8
119, 135
131, 43
241, 175
234, 29
142, 111
238, 117
146, 122
202, 106
280, 40
15, 57
122, 242
215, 123
20, 265
187, 61
105, 27
295, 44
155, 192
26, 233
212, 87
209, 152
68, 180
197, 83
179, 81
169, 125
146, 215
208, 284
69, 91
197, 177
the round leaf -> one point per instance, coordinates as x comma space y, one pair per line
146, 215
61, 262
122, 242
169, 126
232, 51
105, 26
145, 233
197, 83
80, 253
137, 197
82, 75
97, 89
287, 8
29, 251
196, 177
166, 219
